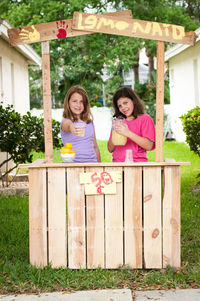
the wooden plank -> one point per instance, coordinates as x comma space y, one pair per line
160, 101
103, 164
95, 228
171, 217
57, 217
51, 30
152, 217
133, 28
114, 226
133, 216
47, 102
76, 220
37, 217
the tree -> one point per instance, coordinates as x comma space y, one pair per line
192, 7
81, 59
21, 134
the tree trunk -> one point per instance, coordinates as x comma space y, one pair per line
151, 67
136, 69
150, 64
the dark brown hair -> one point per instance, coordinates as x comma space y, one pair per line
129, 93
86, 115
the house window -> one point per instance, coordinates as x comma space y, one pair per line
1, 80
12, 85
196, 81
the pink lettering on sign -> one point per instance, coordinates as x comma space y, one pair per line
99, 189
94, 178
105, 177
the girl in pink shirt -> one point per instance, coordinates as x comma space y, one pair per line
137, 126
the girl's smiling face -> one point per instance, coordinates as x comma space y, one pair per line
76, 104
126, 107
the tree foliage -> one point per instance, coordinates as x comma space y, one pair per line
21, 134
80, 60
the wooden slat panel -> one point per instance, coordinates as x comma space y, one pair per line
171, 217
95, 228
133, 28
51, 30
133, 216
76, 219
57, 217
37, 217
152, 217
114, 226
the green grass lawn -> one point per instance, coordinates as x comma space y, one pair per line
18, 276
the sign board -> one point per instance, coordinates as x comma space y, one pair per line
132, 28
52, 30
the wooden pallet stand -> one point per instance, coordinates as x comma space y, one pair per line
138, 227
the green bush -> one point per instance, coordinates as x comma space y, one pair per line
21, 134
191, 127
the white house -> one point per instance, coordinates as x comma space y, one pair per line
184, 77
14, 78
129, 77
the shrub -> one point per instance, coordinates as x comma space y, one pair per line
21, 134
191, 127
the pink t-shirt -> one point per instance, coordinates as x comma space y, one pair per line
142, 126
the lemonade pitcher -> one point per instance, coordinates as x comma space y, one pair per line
118, 139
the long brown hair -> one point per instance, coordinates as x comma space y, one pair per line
129, 93
86, 115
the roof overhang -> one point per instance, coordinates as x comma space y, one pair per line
178, 48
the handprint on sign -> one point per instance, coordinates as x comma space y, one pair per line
30, 36
62, 29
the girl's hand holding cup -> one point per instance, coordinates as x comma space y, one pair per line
78, 129
120, 127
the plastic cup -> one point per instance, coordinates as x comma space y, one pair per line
129, 156
81, 130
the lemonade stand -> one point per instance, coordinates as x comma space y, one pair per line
115, 214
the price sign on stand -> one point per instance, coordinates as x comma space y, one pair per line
100, 182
